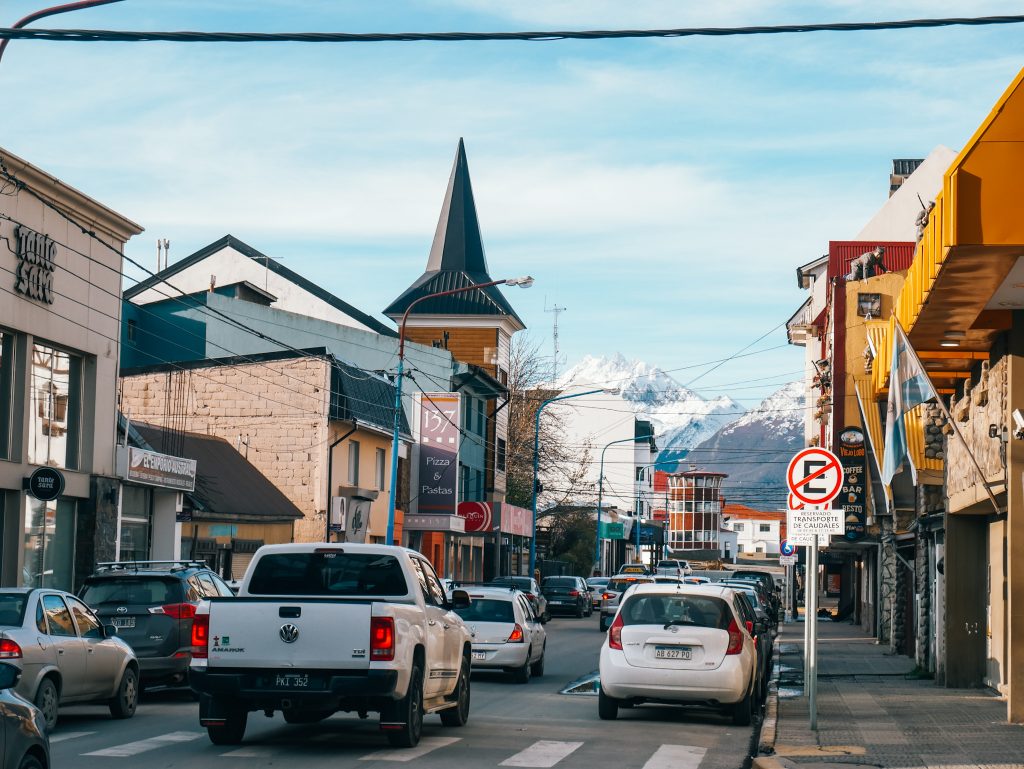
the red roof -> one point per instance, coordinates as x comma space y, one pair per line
748, 513
898, 254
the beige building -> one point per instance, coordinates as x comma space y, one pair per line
60, 311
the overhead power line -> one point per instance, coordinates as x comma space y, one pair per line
125, 36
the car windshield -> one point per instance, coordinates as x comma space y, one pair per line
669, 609
487, 610
618, 585
560, 582
12, 609
151, 591
330, 572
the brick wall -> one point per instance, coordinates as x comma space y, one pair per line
279, 408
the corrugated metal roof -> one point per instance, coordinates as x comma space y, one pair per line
481, 301
364, 397
898, 254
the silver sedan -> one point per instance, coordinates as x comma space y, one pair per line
64, 653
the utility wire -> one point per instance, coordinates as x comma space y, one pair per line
125, 36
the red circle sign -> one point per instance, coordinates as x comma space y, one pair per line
815, 476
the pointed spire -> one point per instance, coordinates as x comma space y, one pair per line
457, 243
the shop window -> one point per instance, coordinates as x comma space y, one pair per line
49, 543
500, 455
55, 408
381, 460
6, 392
353, 463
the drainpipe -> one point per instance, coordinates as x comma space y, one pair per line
330, 478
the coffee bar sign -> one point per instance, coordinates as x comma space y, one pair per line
37, 259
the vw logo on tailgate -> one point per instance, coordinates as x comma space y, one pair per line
289, 633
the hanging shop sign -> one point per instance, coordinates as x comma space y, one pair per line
853, 494
37, 259
438, 488
154, 469
45, 484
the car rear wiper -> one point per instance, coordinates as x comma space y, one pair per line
672, 622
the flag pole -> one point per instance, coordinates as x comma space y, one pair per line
949, 419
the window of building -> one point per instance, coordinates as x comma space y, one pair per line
499, 460
479, 484
131, 332
6, 392
381, 460
49, 543
763, 527
55, 408
353, 463
464, 493
737, 527
136, 522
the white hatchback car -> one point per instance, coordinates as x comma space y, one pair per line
506, 634
679, 644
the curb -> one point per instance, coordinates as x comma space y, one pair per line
770, 722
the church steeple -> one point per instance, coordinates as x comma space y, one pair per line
456, 258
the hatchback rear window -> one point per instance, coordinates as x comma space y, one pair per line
618, 585
487, 610
560, 582
333, 573
702, 611
12, 609
126, 591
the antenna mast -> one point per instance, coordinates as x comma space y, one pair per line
556, 310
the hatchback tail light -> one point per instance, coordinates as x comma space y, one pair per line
9, 650
201, 636
175, 610
517, 636
382, 638
735, 638
606, 596
615, 634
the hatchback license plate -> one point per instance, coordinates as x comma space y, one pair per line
479, 656
123, 622
673, 652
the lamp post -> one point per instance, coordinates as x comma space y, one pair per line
600, 493
536, 464
523, 282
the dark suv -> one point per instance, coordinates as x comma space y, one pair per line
152, 603
568, 594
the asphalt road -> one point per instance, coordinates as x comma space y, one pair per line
510, 724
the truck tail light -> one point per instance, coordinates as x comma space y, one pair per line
517, 635
382, 638
175, 610
9, 650
615, 634
201, 636
735, 638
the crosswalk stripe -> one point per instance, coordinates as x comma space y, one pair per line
543, 753
141, 746
427, 744
253, 751
68, 736
676, 757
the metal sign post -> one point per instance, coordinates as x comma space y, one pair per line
811, 624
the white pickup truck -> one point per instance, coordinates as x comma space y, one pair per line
318, 628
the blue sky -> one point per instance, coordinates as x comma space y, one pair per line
663, 191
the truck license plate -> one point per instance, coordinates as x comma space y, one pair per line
292, 680
673, 652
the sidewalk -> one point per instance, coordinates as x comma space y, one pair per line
870, 714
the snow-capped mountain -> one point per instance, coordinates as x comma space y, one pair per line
681, 417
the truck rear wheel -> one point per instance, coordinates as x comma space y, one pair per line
232, 730
408, 712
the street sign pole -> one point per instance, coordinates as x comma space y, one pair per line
811, 656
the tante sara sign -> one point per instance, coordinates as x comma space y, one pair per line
438, 487
37, 259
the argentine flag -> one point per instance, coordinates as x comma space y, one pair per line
909, 386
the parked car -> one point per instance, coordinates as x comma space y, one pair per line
634, 568
767, 580
529, 586
23, 739
597, 585
506, 634
616, 586
696, 580
152, 604
65, 653
768, 600
680, 645
673, 567
569, 595
757, 625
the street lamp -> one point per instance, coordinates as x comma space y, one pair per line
600, 492
524, 282
536, 461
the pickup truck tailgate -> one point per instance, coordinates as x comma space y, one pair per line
257, 633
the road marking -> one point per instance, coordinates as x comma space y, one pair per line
676, 757
543, 753
68, 736
253, 751
142, 746
427, 745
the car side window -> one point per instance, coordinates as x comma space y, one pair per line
527, 609
421, 577
433, 585
221, 585
88, 625
40, 618
207, 585
193, 589
58, 616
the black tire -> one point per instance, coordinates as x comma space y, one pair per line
306, 716
590, 609
537, 669
607, 707
47, 699
743, 711
409, 712
580, 611
233, 730
522, 675
127, 698
459, 715
602, 625
30, 762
